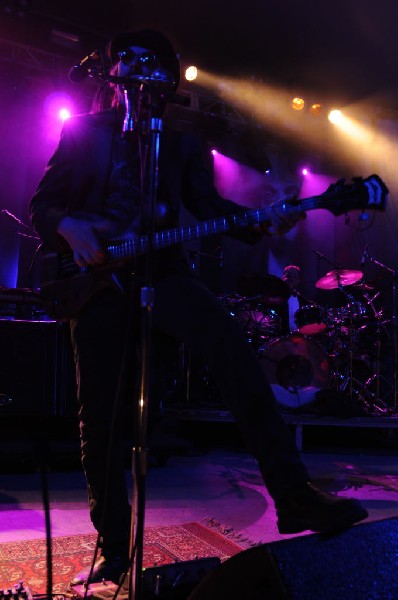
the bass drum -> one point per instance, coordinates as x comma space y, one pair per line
297, 368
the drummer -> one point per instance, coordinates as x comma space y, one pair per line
292, 277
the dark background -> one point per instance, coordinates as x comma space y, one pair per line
345, 49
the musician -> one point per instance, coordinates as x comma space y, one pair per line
292, 277
92, 191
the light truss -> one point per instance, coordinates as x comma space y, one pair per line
32, 58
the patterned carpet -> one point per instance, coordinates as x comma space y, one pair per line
26, 560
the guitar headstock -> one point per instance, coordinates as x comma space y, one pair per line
340, 197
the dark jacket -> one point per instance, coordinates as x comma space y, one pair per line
76, 177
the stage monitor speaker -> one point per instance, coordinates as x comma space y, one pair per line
35, 369
357, 564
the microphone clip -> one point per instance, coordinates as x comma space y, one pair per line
91, 65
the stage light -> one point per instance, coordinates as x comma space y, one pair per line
316, 108
214, 152
191, 73
298, 103
357, 131
305, 171
336, 116
64, 114
58, 105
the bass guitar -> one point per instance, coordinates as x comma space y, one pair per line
66, 287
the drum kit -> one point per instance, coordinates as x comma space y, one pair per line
334, 352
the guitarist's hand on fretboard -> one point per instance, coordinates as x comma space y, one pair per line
283, 216
83, 236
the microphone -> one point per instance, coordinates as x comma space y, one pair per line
365, 255
89, 66
162, 77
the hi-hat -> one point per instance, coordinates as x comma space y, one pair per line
340, 277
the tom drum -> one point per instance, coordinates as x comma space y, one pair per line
310, 319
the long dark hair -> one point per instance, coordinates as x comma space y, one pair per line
106, 95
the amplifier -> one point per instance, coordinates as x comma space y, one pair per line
21, 304
37, 376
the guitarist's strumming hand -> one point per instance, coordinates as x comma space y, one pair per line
83, 236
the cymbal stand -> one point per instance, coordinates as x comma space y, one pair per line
350, 372
319, 257
378, 403
394, 320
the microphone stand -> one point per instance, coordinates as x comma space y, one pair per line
319, 257
151, 125
153, 93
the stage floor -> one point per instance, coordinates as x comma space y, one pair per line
190, 483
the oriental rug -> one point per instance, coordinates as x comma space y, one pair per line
26, 560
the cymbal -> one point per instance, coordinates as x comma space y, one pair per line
337, 278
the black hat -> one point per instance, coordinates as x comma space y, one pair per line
153, 40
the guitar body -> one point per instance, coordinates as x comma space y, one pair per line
64, 296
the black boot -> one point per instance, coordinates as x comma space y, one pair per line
108, 569
307, 508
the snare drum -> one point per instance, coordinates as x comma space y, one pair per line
310, 319
297, 368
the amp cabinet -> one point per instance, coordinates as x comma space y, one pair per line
37, 375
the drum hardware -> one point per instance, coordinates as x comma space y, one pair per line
355, 354
260, 323
364, 286
353, 375
334, 350
268, 289
346, 323
394, 275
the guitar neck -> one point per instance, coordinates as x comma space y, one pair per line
130, 248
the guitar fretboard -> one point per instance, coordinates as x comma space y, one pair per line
129, 248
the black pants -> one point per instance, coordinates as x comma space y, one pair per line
186, 310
